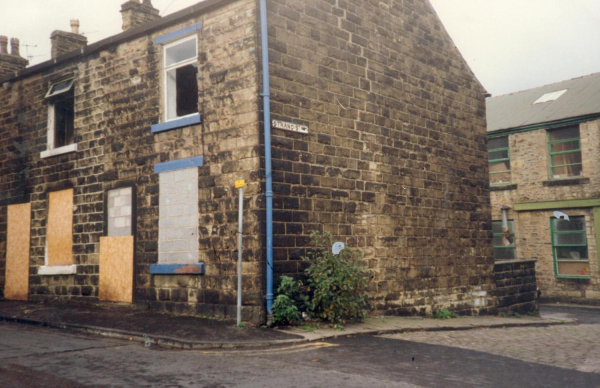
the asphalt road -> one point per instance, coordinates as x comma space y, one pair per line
38, 357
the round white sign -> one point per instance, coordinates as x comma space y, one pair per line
338, 247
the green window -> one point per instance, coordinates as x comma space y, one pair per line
499, 159
564, 146
504, 241
569, 247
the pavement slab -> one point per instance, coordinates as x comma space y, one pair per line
186, 332
387, 324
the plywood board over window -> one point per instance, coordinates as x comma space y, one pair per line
59, 231
17, 252
116, 269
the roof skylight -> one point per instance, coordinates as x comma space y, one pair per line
550, 96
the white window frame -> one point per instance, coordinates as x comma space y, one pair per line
177, 65
50, 134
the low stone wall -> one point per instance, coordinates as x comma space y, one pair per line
516, 288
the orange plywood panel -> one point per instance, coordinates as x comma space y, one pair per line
59, 231
17, 252
116, 269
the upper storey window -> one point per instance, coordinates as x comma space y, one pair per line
499, 159
180, 75
61, 118
564, 145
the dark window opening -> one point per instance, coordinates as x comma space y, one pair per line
187, 90
64, 116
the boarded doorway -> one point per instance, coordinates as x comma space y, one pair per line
17, 252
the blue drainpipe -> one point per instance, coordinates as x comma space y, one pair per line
268, 169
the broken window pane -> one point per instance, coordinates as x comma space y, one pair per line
182, 91
64, 117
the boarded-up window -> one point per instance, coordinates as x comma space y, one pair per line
17, 252
59, 230
119, 212
178, 217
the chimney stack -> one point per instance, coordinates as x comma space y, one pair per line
64, 42
13, 62
3, 45
135, 13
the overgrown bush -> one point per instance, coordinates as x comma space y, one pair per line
337, 283
335, 289
285, 309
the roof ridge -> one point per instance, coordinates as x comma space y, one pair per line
543, 86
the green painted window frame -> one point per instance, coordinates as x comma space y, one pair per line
511, 226
554, 246
551, 154
507, 159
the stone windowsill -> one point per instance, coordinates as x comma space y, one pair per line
177, 123
58, 151
503, 187
57, 270
177, 269
516, 261
566, 182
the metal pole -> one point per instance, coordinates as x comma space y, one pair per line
240, 231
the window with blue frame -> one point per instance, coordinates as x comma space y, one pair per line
181, 78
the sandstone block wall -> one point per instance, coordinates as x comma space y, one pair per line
516, 288
117, 99
394, 163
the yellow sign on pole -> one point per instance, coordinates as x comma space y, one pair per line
239, 184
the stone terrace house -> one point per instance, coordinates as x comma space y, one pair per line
119, 158
544, 152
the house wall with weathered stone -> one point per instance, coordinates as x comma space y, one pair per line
530, 182
117, 99
394, 163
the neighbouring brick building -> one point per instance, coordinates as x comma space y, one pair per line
544, 152
119, 158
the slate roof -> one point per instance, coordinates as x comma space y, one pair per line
516, 110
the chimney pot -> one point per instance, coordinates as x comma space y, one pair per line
3, 44
75, 26
14, 47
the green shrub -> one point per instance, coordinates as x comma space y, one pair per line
337, 284
284, 310
444, 314
290, 298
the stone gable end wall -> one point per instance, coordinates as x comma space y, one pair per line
394, 163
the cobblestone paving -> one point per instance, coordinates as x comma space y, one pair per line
567, 346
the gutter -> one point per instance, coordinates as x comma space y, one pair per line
546, 125
266, 94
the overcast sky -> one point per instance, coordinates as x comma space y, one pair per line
511, 45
